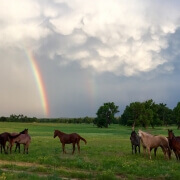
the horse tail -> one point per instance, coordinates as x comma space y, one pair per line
83, 139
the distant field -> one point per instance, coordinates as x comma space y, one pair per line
107, 155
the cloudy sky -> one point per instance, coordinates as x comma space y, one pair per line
87, 53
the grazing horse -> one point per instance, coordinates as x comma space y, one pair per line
174, 143
22, 139
150, 141
25, 131
73, 138
135, 142
4, 137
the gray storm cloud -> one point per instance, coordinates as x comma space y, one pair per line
97, 34
136, 42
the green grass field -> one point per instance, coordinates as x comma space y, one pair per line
107, 155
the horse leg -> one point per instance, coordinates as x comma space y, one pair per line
168, 150
164, 149
4, 147
63, 148
73, 148
19, 147
155, 149
24, 148
15, 148
149, 152
132, 148
78, 147
135, 149
11, 145
27, 145
144, 150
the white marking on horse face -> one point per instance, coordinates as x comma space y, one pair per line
139, 133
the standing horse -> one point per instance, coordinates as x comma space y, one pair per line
73, 138
174, 143
150, 141
25, 131
135, 142
22, 139
4, 137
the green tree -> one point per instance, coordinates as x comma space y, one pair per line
105, 114
176, 112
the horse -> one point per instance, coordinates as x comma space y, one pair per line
73, 138
150, 142
135, 142
22, 139
174, 143
25, 131
4, 137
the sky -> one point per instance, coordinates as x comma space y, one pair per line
66, 58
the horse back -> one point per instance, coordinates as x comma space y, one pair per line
69, 138
23, 138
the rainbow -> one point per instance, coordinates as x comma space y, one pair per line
39, 81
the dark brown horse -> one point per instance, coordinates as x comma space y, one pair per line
73, 138
174, 143
135, 142
22, 139
25, 131
4, 137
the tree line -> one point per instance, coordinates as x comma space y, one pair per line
147, 113
22, 118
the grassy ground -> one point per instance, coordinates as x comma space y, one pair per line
107, 155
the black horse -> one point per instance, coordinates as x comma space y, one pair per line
135, 142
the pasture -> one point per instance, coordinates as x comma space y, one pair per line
107, 155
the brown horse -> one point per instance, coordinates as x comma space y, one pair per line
25, 131
174, 143
73, 138
150, 142
4, 137
22, 139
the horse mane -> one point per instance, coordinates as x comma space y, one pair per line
146, 133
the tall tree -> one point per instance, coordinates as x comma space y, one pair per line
105, 114
176, 112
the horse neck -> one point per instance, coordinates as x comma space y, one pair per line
172, 136
60, 133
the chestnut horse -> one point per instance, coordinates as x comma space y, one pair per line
22, 139
150, 141
73, 138
174, 143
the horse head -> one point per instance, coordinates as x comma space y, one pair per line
140, 133
170, 134
55, 133
25, 131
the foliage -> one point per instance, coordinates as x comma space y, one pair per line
22, 118
105, 114
176, 111
148, 113
145, 114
